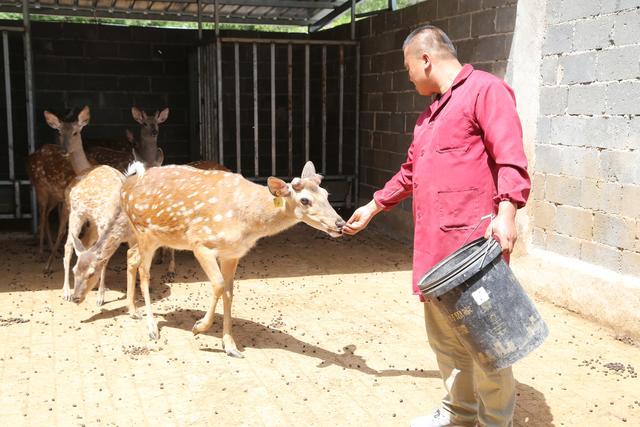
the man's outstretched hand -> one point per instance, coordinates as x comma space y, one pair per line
361, 217
503, 227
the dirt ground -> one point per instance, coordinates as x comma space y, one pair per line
330, 333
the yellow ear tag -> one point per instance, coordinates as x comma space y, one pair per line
278, 202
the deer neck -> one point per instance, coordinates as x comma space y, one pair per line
267, 219
148, 147
79, 160
116, 232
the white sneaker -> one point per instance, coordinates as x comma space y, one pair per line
439, 418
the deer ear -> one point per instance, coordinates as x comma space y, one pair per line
159, 157
297, 184
77, 244
130, 137
52, 120
278, 187
137, 115
308, 171
83, 116
162, 115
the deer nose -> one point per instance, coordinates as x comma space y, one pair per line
340, 223
76, 299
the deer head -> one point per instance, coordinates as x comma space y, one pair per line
153, 159
149, 128
307, 201
69, 132
86, 271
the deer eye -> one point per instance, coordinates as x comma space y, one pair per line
305, 202
75, 133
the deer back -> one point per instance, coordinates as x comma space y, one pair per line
50, 171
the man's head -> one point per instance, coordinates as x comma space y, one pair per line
425, 50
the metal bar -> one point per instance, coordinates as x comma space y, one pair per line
28, 67
199, 21
17, 201
199, 103
341, 111
237, 85
324, 110
219, 92
353, 20
273, 109
322, 22
356, 183
307, 73
14, 29
290, 104
11, 216
393, 5
208, 124
7, 89
160, 15
289, 41
271, 3
256, 155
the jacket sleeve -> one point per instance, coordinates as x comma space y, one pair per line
497, 116
399, 187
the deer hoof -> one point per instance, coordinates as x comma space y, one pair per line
66, 295
134, 315
198, 327
234, 353
99, 301
154, 335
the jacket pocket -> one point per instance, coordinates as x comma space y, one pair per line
458, 209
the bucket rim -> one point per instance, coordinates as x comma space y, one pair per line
485, 247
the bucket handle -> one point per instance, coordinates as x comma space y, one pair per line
482, 219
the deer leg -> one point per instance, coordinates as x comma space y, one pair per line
42, 221
47, 227
74, 227
133, 262
102, 287
64, 219
228, 268
207, 259
146, 257
172, 260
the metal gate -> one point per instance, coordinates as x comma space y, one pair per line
17, 201
266, 106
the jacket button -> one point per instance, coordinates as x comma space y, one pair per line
415, 185
422, 153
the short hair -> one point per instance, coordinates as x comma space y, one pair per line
433, 39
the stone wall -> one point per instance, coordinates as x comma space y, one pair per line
586, 190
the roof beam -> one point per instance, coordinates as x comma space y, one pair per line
322, 22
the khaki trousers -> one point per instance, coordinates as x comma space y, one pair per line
472, 394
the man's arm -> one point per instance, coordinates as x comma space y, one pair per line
498, 118
398, 188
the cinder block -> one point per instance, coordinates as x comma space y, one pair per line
459, 27
554, 11
580, 68
548, 159
538, 183
549, 70
492, 48
631, 263
543, 130
447, 8
587, 99
506, 19
576, 222
466, 6
564, 245
538, 238
630, 201
620, 166
563, 189
579, 9
544, 214
619, 63
581, 162
601, 196
593, 33
553, 100
558, 39
622, 98
616, 231
567, 130
602, 255
625, 27
483, 23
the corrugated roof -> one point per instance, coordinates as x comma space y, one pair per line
265, 12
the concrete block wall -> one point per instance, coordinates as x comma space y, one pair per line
481, 30
586, 182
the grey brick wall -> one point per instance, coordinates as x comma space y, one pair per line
586, 198
481, 30
109, 68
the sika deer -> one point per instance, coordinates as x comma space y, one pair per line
219, 216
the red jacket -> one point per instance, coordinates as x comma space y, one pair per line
466, 157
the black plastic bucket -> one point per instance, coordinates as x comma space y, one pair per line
484, 303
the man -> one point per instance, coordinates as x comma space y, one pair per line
466, 161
